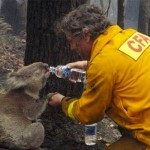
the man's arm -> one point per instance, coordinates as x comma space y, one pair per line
78, 64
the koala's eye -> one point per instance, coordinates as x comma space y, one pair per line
37, 71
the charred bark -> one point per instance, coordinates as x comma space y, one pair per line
144, 17
121, 13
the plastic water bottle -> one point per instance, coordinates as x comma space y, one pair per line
91, 134
73, 74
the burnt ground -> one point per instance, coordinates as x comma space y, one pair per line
11, 58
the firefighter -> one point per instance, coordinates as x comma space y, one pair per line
117, 64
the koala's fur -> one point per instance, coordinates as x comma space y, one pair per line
20, 106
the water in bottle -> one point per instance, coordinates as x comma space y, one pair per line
91, 134
75, 75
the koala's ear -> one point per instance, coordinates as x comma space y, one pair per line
15, 81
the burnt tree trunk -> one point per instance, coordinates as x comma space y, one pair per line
144, 17
121, 13
43, 45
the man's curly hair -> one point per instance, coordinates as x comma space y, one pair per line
85, 16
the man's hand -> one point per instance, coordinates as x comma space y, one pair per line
78, 64
55, 99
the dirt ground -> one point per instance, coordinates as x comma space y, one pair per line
11, 56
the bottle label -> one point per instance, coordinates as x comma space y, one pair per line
90, 130
66, 73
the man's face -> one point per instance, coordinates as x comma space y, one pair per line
81, 46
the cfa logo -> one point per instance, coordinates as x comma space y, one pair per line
135, 45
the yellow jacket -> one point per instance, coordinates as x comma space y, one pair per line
118, 83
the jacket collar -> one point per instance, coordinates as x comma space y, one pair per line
102, 39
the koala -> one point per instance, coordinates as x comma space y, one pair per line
20, 108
